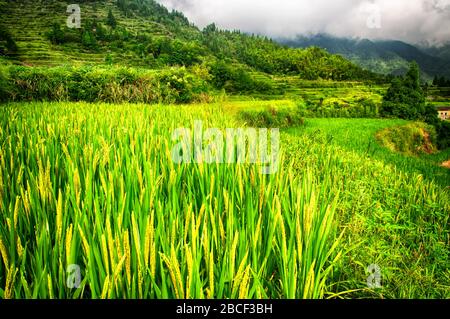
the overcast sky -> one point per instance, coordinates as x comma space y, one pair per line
414, 21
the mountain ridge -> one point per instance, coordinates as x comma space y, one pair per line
382, 56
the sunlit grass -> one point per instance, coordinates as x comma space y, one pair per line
94, 185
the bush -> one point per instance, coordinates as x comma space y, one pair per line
272, 118
4, 84
411, 139
94, 84
337, 108
235, 78
88, 40
56, 35
405, 98
111, 20
443, 134
182, 86
7, 43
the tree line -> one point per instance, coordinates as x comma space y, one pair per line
406, 99
186, 45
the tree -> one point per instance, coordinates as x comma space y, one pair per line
435, 81
56, 35
412, 77
88, 40
109, 59
210, 28
405, 98
7, 43
111, 20
100, 32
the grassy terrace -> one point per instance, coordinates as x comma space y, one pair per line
28, 24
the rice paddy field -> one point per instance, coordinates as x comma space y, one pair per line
93, 185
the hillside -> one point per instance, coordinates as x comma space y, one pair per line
442, 52
387, 57
146, 35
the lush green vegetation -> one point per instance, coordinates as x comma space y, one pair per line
94, 185
360, 136
394, 208
406, 99
340, 107
109, 84
145, 34
87, 178
410, 139
272, 117
7, 44
181, 84
140, 226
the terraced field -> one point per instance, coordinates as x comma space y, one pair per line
93, 185
124, 200
28, 24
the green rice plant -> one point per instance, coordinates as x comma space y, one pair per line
94, 185
394, 208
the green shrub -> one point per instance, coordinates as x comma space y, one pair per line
4, 85
272, 118
235, 78
111, 20
7, 43
96, 84
411, 139
443, 134
56, 35
337, 108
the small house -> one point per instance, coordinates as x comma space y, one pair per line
444, 112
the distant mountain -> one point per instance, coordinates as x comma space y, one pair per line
388, 57
442, 52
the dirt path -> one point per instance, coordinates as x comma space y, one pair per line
427, 145
446, 164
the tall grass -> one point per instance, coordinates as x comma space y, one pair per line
394, 208
94, 185
411, 139
102, 84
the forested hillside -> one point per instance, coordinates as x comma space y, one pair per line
142, 33
387, 57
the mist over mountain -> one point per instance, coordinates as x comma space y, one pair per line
442, 51
379, 35
382, 56
418, 21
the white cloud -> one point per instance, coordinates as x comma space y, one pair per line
408, 20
